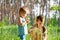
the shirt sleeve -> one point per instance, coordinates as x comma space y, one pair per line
45, 34
20, 19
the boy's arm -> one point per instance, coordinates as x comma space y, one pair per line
27, 20
30, 30
21, 23
45, 38
45, 34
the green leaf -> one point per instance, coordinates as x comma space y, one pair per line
54, 7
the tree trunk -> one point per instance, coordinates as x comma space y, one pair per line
3, 8
42, 6
0, 13
32, 16
48, 20
59, 19
46, 14
59, 16
10, 12
10, 17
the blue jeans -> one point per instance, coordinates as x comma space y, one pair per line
22, 37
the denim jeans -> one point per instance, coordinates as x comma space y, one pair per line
23, 37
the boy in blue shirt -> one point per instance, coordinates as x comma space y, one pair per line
22, 23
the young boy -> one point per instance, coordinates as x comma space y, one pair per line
38, 32
22, 23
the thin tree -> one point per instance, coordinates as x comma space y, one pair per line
0, 11
59, 15
48, 20
3, 8
43, 3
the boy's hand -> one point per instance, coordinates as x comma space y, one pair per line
30, 31
27, 20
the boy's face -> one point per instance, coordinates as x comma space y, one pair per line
39, 23
24, 15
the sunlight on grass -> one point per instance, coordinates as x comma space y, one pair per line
10, 32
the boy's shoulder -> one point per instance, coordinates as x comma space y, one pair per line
44, 28
33, 27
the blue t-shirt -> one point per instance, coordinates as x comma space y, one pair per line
22, 29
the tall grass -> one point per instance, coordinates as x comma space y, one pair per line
10, 32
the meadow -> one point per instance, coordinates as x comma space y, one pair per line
10, 32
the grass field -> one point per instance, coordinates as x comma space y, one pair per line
10, 32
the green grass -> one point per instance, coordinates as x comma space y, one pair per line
10, 32
53, 33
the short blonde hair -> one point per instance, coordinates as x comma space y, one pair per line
23, 10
